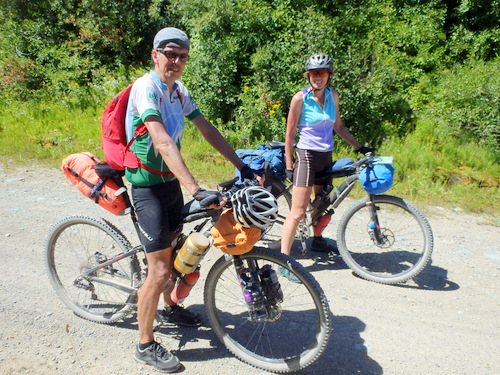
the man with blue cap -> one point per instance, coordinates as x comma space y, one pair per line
160, 101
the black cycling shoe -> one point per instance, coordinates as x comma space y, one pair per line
179, 316
157, 356
322, 245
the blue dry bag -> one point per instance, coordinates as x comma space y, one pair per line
377, 179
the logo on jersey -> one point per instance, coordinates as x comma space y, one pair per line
152, 97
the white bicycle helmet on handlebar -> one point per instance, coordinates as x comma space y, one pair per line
254, 207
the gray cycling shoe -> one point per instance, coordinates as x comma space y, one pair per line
157, 356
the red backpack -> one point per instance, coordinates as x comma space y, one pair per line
114, 137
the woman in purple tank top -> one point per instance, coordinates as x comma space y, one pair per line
315, 112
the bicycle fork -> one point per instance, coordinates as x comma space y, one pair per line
374, 226
261, 290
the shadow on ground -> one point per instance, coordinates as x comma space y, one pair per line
345, 353
432, 277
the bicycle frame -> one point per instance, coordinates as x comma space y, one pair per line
382, 238
191, 211
250, 299
331, 201
335, 198
124, 288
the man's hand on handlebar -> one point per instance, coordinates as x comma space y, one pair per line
210, 199
247, 173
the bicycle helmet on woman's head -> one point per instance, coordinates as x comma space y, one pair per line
254, 207
319, 61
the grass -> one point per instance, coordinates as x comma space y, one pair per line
431, 169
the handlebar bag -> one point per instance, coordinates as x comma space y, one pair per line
377, 179
233, 238
80, 170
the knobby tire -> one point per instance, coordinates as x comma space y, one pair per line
78, 243
407, 240
294, 340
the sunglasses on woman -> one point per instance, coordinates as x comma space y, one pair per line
319, 73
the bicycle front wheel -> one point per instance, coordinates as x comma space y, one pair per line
79, 244
296, 331
398, 251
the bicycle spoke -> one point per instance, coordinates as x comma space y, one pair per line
395, 250
77, 247
291, 333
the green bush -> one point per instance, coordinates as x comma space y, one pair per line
420, 79
464, 103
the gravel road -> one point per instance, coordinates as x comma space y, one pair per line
446, 321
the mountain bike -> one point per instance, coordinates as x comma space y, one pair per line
381, 238
283, 326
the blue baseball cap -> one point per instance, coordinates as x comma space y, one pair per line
171, 37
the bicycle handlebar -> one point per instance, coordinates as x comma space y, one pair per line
369, 159
366, 160
194, 209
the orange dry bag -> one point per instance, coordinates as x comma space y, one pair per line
232, 237
80, 170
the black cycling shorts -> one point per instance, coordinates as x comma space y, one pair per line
307, 164
158, 209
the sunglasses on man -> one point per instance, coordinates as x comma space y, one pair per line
171, 55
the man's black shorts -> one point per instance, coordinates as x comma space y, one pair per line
158, 209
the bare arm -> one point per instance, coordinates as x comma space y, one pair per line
215, 138
339, 126
291, 127
170, 153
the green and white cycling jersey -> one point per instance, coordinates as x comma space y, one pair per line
149, 96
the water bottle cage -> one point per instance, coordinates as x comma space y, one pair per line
318, 215
322, 201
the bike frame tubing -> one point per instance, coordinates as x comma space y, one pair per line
336, 197
124, 288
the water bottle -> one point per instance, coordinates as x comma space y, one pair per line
253, 297
322, 194
190, 254
322, 223
182, 289
271, 286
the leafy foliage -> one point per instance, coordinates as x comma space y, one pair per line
399, 64
464, 103
61, 45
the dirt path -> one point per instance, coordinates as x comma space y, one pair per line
445, 322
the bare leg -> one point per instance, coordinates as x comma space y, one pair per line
159, 270
300, 200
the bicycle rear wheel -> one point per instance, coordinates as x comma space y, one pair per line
405, 245
77, 244
297, 330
